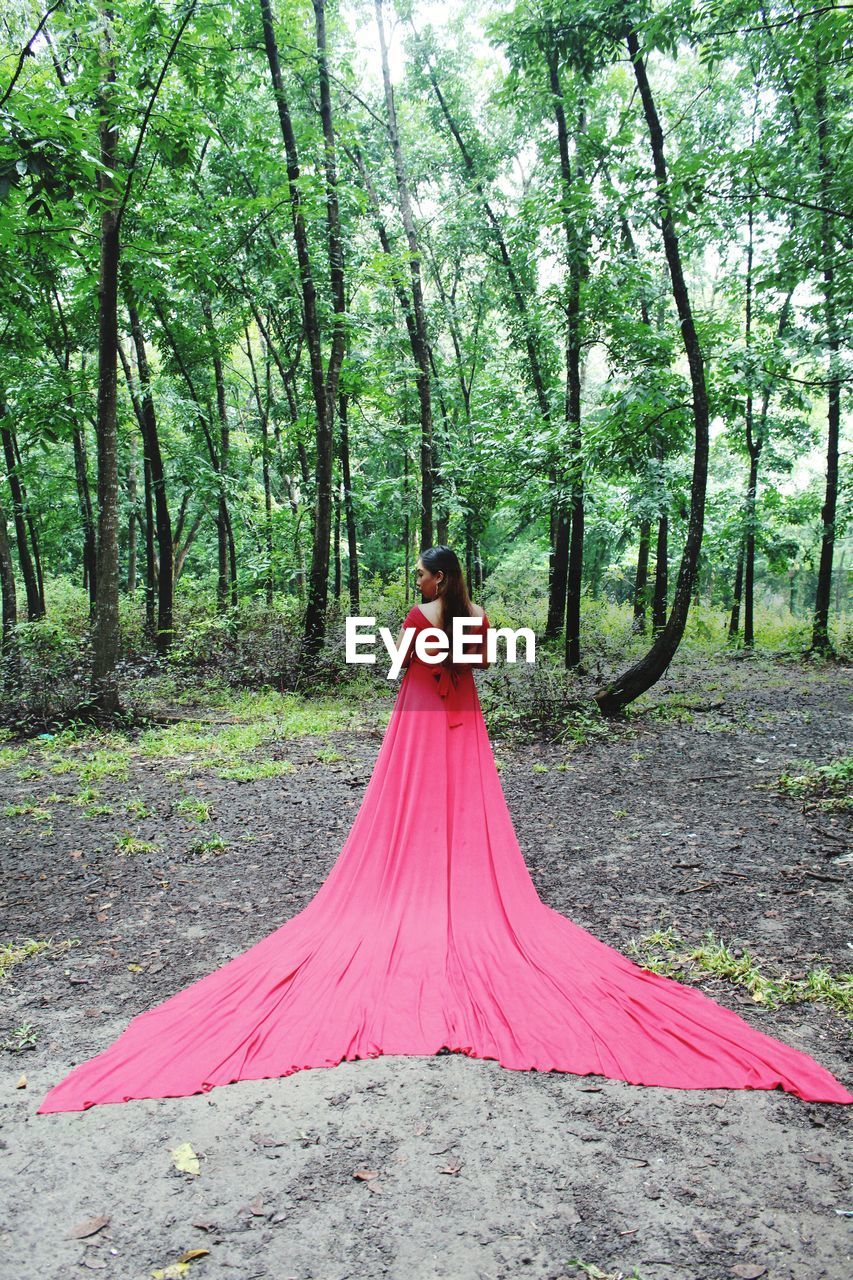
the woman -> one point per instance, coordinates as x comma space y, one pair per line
428, 934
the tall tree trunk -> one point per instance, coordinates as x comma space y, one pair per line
9, 595
34, 601
519, 293
421, 342
28, 516
643, 674
106, 630
315, 620
151, 441
577, 270
820, 631
737, 592
558, 558
132, 522
84, 499
263, 415
337, 543
223, 522
150, 553
349, 506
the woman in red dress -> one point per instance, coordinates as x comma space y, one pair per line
429, 934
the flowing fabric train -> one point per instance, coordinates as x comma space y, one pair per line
428, 933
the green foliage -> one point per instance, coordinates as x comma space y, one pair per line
828, 787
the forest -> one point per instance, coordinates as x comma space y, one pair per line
290, 294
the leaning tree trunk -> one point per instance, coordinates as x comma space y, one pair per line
643, 674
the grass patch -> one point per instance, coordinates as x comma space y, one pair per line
126, 843
11, 755
29, 809
137, 808
213, 844
190, 807
662, 952
12, 953
827, 787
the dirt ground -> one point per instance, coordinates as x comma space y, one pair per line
482, 1173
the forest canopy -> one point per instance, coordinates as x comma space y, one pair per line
291, 292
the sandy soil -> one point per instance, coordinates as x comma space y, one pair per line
481, 1173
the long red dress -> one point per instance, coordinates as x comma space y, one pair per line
427, 933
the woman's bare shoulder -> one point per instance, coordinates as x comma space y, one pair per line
479, 610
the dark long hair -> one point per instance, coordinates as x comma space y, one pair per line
455, 601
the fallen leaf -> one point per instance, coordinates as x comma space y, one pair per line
375, 1186
22, 1082
703, 1237
191, 1254
185, 1159
266, 1140
821, 1158
173, 1272
87, 1228
453, 1167
748, 1270
364, 1174
135, 968
255, 1207
202, 1224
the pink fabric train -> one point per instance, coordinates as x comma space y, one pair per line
427, 933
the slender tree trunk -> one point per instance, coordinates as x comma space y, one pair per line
34, 542
660, 595
84, 498
8, 592
132, 522
106, 630
34, 603
420, 332
337, 543
749, 555
643, 674
737, 593
558, 560
821, 642
151, 440
315, 621
349, 506
263, 415
150, 554
641, 581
